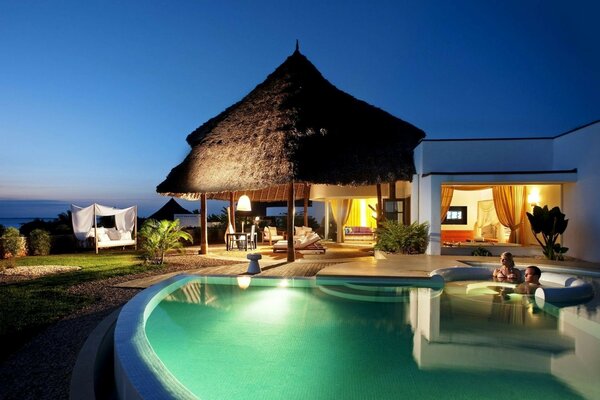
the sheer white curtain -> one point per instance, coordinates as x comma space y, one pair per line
341, 211
83, 218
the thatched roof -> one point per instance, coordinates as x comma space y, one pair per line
295, 126
168, 211
264, 195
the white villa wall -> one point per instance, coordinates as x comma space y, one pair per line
451, 161
486, 155
580, 149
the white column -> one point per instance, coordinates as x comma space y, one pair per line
326, 215
430, 201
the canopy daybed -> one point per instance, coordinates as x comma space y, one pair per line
86, 229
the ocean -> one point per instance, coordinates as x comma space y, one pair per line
17, 222
17, 212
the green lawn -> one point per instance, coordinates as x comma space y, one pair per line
29, 306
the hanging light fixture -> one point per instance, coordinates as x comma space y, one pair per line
243, 203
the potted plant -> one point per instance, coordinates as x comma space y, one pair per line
549, 224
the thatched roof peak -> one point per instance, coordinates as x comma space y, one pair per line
288, 82
168, 211
295, 126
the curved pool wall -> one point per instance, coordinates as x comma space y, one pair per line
564, 288
139, 372
571, 289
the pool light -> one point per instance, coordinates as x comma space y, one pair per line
243, 281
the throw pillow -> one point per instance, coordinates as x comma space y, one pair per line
125, 235
113, 234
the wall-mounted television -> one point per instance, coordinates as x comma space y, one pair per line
456, 215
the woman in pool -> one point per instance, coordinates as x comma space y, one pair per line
507, 272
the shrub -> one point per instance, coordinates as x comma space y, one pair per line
394, 237
13, 244
159, 237
481, 251
39, 242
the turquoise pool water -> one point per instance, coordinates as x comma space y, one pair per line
315, 341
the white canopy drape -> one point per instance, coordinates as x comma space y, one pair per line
84, 218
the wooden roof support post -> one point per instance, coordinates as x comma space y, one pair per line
379, 206
306, 204
135, 235
203, 225
291, 252
392, 195
327, 207
232, 209
95, 229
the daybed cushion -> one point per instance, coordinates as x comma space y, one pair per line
111, 237
358, 230
103, 236
116, 243
113, 234
302, 230
125, 235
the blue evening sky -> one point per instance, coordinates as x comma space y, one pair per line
97, 97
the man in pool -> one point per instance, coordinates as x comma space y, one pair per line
507, 272
532, 280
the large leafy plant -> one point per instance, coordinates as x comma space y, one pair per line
549, 224
394, 237
159, 237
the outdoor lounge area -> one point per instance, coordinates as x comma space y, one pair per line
306, 243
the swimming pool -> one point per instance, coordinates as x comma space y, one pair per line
215, 338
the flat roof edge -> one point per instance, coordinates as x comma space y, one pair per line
561, 171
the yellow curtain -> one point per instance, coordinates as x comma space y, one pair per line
447, 192
341, 211
520, 211
361, 214
354, 216
372, 213
509, 202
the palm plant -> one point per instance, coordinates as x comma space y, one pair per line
160, 237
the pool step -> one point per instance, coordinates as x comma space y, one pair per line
365, 292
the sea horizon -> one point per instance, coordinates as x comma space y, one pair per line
18, 222
50, 209
15, 212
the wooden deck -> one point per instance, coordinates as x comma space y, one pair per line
340, 261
